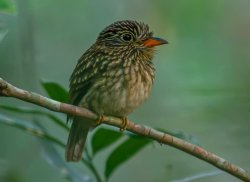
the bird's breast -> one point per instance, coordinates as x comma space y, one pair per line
119, 91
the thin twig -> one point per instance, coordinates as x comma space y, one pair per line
199, 176
91, 166
93, 169
9, 90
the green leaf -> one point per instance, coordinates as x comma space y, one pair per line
26, 110
102, 138
50, 154
124, 152
7, 6
55, 91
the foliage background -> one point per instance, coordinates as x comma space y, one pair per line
202, 81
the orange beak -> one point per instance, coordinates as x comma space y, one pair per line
154, 41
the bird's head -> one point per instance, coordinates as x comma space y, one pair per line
129, 35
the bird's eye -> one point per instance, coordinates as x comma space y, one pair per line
127, 37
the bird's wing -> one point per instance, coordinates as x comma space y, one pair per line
90, 66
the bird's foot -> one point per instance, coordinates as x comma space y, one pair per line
124, 124
99, 120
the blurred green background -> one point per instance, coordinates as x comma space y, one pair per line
202, 84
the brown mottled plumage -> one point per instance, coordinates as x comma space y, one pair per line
113, 77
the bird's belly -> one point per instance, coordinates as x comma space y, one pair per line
117, 98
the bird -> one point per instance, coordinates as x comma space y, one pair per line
113, 77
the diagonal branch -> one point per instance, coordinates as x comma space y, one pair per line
9, 90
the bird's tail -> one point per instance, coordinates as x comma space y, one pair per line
76, 140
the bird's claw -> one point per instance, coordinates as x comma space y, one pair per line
124, 124
99, 120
